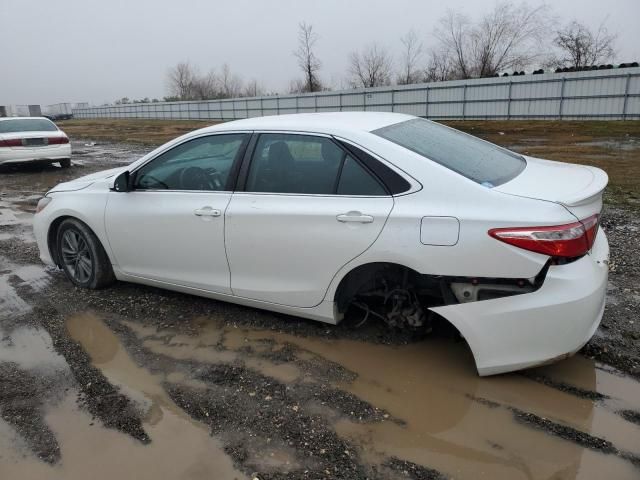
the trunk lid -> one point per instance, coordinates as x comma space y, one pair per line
576, 187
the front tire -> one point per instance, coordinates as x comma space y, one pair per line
82, 256
65, 162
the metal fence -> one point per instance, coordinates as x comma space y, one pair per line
612, 94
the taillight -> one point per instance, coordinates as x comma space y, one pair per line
13, 142
564, 241
57, 140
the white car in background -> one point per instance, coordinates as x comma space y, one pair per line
313, 215
33, 139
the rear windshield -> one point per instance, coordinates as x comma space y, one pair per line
467, 155
27, 125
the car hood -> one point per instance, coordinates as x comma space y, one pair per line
85, 181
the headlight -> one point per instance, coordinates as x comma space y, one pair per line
42, 203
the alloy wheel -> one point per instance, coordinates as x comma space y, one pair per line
76, 256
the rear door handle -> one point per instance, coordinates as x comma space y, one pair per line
207, 212
356, 217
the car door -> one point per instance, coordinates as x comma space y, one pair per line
307, 208
170, 226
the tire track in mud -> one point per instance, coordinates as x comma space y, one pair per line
414, 471
254, 412
25, 391
100, 397
564, 432
631, 416
565, 387
21, 406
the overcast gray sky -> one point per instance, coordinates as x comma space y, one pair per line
99, 50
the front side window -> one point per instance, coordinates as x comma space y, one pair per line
27, 125
480, 161
307, 164
200, 164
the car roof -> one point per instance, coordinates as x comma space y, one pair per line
329, 122
23, 118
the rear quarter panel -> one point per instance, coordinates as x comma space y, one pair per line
445, 193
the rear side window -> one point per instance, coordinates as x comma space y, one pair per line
480, 161
27, 125
307, 164
355, 180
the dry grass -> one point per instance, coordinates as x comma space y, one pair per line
613, 146
146, 132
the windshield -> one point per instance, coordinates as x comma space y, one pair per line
27, 125
481, 161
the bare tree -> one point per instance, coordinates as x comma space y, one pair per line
181, 80
370, 68
307, 59
205, 87
230, 83
297, 85
411, 54
253, 89
581, 47
509, 36
439, 67
455, 41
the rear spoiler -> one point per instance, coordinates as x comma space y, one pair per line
591, 192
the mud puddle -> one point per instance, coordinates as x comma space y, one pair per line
173, 434
178, 447
217, 398
13, 279
438, 413
431, 386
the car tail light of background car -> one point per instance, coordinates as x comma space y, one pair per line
58, 140
560, 241
13, 142
20, 142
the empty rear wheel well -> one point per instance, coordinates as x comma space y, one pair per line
394, 293
364, 276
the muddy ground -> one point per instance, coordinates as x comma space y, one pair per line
136, 381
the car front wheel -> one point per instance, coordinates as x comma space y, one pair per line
82, 257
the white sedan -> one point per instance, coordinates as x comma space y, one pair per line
33, 139
311, 215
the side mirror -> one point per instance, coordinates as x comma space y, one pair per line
121, 183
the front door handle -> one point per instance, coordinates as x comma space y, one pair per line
356, 217
207, 212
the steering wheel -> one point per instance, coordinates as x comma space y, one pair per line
153, 179
196, 178
216, 177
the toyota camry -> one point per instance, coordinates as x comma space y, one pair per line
393, 216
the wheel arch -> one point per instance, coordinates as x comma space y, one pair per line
52, 237
358, 276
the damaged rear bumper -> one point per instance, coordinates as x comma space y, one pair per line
553, 322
